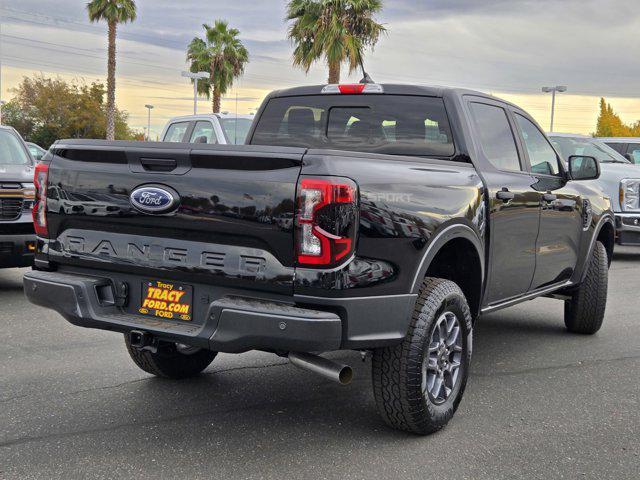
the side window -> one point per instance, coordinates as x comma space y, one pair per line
542, 156
496, 136
175, 132
618, 147
203, 133
634, 151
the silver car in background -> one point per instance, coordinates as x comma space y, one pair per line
619, 179
36, 151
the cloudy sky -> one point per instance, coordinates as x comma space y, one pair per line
509, 48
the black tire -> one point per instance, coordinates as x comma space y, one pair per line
584, 312
398, 385
169, 362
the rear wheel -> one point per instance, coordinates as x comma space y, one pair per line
419, 383
172, 360
584, 312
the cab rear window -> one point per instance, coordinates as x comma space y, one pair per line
175, 132
388, 124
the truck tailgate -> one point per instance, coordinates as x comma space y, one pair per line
233, 226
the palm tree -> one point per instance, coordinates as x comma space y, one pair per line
114, 12
336, 30
222, 54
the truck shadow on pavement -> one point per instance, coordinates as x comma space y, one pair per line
627, 257
11, 279
241, 406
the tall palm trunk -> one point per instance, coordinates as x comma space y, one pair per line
111, 82
334, 72
216, 100
215, 91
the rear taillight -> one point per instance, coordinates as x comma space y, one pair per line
40, 205
326, 221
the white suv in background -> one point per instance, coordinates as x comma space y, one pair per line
222, 128
619, 179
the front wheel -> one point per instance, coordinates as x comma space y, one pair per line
172, 360
584, 312
419, 383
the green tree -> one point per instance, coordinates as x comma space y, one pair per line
113, 12
337, 31
16, 117
609, 124
222, 54
45, 109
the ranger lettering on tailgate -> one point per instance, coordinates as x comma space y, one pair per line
123, 248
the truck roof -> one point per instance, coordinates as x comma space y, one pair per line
388, 88
207, 116
570, 135
393, 89
619, 139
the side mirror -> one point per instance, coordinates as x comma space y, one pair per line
582, 167
629, 157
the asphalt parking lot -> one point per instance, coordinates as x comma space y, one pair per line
541, 403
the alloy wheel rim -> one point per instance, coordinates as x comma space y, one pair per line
442, 359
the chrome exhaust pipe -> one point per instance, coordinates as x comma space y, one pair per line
343, 374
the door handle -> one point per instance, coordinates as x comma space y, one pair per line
505, 195
549, 197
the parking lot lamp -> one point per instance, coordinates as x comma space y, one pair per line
195, 76
149, 108
553, 90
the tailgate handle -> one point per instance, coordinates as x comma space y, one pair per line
159, 164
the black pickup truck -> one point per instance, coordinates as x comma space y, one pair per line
379, 218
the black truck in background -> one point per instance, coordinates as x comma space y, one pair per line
378, 218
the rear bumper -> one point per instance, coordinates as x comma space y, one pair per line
628, 228
229, 320
233, 324
15, 251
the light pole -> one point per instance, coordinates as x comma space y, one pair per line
149, 108
2, 102
195, 77
553, 90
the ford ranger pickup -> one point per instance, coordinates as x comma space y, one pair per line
378, 218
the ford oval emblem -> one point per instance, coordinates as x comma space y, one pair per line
152, 199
